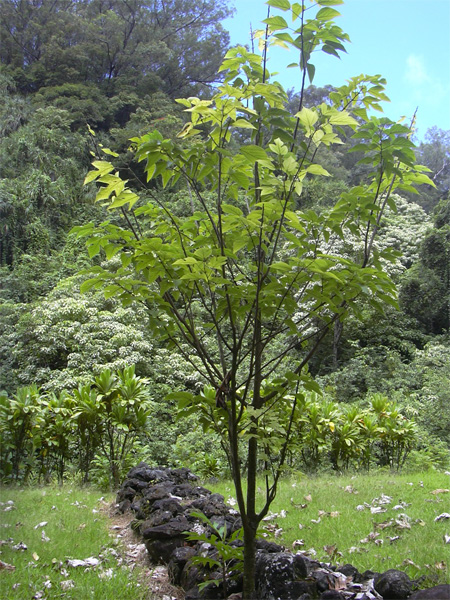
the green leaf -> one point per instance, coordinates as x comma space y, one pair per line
275, 23
282, 4
317, 170
327, 14
343, 118
311, 71
308, 118
253, 153
243, 124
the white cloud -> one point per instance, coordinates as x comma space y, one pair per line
416, 72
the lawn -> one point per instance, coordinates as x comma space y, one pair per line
377, 521
43, 529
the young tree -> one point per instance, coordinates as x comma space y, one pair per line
248, 286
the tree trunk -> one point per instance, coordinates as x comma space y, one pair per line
249, 562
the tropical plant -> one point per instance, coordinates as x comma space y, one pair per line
251, 270
227, 556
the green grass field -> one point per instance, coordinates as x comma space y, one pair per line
57, 525
320, 515
317, 514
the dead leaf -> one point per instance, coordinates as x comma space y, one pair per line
446, 538
372, 537
298, 544
6, 566
308, 498
20, 546
330, 550
316, 521
42, 524
35, 556
394, 538
440, 491
384, 524
81, 526
441, 565
408, 561
337, 581
44, 537
377, 509
334, 514
87, 562
350, 489
67, 584
442, 516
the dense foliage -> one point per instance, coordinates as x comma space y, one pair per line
117, 67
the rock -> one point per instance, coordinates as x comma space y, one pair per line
155, 519
269, 547
351, 571
162, 540
278, 575
173, 528
178, 560
125, 493
211, 506
136, 484
163, 501
331, 595
393, 585
322, 579
168, 505
439, 592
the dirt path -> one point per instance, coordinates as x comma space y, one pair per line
134, 554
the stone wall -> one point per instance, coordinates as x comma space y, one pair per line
163, 501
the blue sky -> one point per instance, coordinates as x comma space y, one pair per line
406, 41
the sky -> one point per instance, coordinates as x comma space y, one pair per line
406, 41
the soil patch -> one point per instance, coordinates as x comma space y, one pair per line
153, 578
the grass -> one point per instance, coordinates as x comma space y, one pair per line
77, 527
338, 537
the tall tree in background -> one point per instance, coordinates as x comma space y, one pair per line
174, 45
248, 286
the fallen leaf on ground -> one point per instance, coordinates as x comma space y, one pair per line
384, 524
67, 584
35, 556
350, 489
6, 566
20, 546
87, 562
440, 491
408, 561
441, 565
44, 537
308, 498
372, 537
394, 538
42, 524
442, 516
446, 538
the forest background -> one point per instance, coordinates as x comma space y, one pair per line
77, 367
